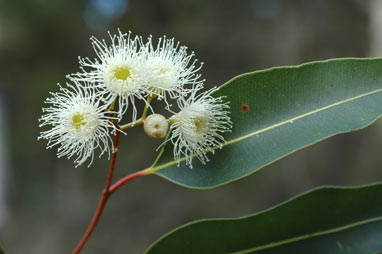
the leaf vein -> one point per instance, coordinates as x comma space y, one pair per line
307, 236
300, 117
154, 168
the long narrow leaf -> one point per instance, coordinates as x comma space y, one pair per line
281, 110
328, 220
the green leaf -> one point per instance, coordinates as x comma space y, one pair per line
289, 108
330, 220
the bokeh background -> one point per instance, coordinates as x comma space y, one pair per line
46, 203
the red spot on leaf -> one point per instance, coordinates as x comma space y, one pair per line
331, 85
244, 107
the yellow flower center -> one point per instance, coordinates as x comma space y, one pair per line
122, 73
78, 121
199, 124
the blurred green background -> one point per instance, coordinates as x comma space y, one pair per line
46, 203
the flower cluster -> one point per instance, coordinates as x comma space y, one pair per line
84, 114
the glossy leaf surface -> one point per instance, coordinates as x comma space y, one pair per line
278, 111
330, 220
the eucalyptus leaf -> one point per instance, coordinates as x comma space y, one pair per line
278, 111
328, 220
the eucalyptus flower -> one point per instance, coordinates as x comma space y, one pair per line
170, 69
198, 127
118, 72
79, 124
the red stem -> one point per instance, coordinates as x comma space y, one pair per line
93, 223
113, 160
105, 195
126, 179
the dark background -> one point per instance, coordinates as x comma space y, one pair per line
46, 203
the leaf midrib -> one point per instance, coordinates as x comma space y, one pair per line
232, 141
308, 236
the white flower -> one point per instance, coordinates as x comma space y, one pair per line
118, 71
170, 69
199, 125
79, 123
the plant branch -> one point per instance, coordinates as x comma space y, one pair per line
113, 159
132, 124
93, 223
109, 190
105, 195
128, 178
140, 120
144, 114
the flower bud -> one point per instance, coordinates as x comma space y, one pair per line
156, 126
